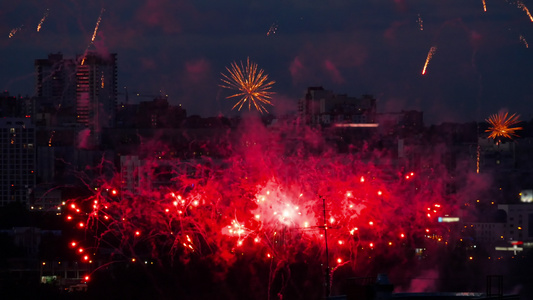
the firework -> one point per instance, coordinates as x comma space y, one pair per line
51, 138
501, 125
42, 20
430, 55
94, 34
523, 40
272, 29
13, 31
521, 5
420, 22
272, 198
252, 84
97, 25
478, 156
484, 6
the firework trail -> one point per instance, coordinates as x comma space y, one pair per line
51, 138
273, 28
501, 125
94, 34
420, 22
430, 55
521, 5
97, 25
252, 84
14, 30
42, 19
484, 6
523, 40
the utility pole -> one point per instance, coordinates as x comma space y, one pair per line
327, 274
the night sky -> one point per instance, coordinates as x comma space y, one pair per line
482, 64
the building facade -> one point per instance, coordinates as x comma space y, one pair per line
322, 107
55, 88
17, 160
78, 93
16, 106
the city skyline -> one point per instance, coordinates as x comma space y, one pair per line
398, 145
479, 66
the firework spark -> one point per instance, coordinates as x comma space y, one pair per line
523, 40
97, 25
484, 6
502, 125
13, 31
478, 156
271, 198
51, 138
420, 22
252, 84
42, 20
430, 55
261, 200
272, 29
94, 34
521, 5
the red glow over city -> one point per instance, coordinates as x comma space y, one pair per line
297, 193
260, 200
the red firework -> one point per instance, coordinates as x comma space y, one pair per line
273, 197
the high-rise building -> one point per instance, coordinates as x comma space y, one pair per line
16, 107
17, 160
325, 108
96, 90
80, 92
55, 88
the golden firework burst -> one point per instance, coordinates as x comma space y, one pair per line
502, 125
251, 83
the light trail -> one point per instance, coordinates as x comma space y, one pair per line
42, 20
430, 55
272, 29
523, 40
521, 5
97, 25
13, 31
94, 34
